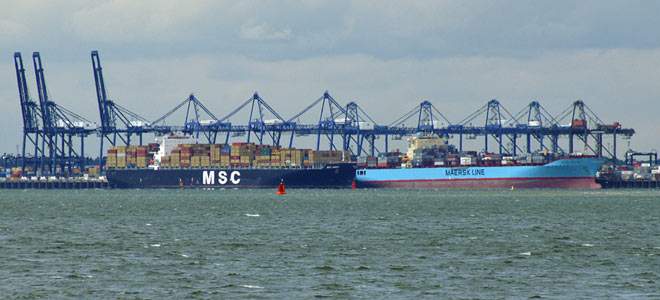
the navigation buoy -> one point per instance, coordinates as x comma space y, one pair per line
512, 187
280, 188
353, 186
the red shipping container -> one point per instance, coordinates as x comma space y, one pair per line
579, 123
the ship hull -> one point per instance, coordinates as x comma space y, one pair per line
560, 183
563, 173
331, 176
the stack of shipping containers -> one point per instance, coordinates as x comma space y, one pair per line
129, 156
220, 155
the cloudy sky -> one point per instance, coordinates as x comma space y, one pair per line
388, 56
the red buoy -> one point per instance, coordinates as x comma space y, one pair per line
353, 186
280, 189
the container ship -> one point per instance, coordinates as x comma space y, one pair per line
644, 175
431, 163
180, 162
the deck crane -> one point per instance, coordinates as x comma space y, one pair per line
60, 123
31, 116
111, 112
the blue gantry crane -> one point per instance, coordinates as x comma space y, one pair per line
257, 122
584, 123
330, 112
499, 123
358, 126
111, 113
351, 123
193, 123
30, 110
429, 120
60, 126
532, 122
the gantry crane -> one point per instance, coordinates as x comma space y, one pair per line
111, 112
60, 126
32, 131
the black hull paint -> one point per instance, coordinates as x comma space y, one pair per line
339, 175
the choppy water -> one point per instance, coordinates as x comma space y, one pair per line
219, 244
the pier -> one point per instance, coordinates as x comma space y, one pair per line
56, 183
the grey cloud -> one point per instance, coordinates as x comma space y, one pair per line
382, 29
262, 32
387, 55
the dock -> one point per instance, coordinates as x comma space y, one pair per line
56, 183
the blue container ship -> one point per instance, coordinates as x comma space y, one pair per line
440, 166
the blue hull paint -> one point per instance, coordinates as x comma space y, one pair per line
568, 172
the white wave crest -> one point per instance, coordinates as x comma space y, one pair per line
251, 286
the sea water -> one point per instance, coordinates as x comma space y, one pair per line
375, 244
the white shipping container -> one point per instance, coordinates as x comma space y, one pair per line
273, 122
83, 125
466, 160
366, 125
138, 124
207, 122
62, 124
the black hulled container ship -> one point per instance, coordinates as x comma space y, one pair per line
180, 162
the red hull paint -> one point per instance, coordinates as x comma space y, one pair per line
534, 183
